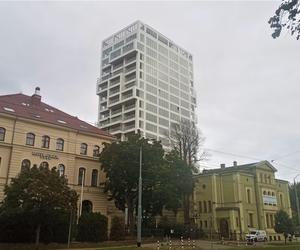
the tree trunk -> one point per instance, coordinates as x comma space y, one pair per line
130, 219
37, 236
186, 209
285, 240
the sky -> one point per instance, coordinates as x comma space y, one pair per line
247, 83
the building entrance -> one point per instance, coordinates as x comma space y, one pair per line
224, 228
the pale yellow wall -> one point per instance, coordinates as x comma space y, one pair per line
70, 157
230, 190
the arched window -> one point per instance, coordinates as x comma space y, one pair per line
61, 169
96, 151
2, 134
81, 176
87, 206
45, 141
269, 193
44, 164
60, 144
83, 149
30, 139
94, 178
25, 164
273, 194
265, 192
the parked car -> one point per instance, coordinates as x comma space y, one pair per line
256, 235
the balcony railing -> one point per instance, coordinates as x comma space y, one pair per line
105, 77
127, 96
130, 68
117, 72
104, 123
130, 77
115, 129
127, 47
102, 87
129, 60
103, 116
113, 91
115, 81
115, 119
129, 107
129, 117
129, 127
114, 100
117, 111
129, 85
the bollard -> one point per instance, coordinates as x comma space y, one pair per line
189, 242
158, 245
170, 244
194, 244
182, 246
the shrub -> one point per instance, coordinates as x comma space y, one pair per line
18, 227
92, 227
117, 231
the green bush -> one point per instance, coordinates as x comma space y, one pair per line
92, 227
18, 227
117, 231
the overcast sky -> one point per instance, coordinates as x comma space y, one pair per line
247, 83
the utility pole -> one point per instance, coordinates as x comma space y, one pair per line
139, 224
70, 228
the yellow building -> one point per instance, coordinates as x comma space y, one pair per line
230, 201
34, 133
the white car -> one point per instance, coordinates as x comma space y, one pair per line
256, 235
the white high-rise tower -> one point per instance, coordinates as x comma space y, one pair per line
146, 83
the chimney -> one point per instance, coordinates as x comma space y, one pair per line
36, 98
235, 163
222, 165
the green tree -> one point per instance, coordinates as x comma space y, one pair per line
286, 17
38, 194
283, 224
120, 162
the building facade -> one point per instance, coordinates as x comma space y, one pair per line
146, 84
230, 201
34, 133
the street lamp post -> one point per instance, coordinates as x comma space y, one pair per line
297, 200
139, 224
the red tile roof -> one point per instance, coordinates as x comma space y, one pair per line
31, 107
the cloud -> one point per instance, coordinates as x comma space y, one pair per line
247, 83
